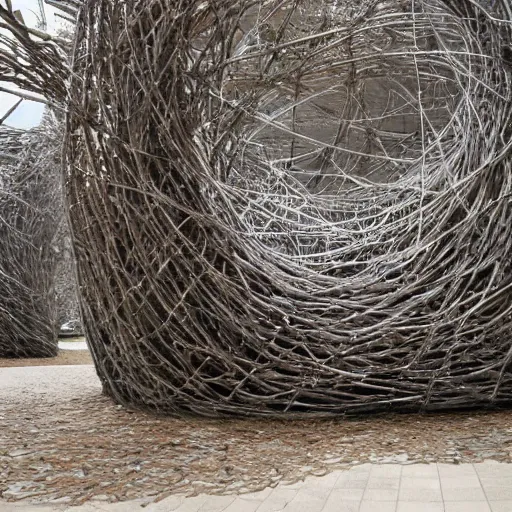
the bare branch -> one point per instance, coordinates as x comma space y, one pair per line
24, 95
10, 111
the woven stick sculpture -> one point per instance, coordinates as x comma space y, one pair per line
292, 206
29, 192
31, 211
36, 64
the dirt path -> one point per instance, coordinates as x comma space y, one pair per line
65, 357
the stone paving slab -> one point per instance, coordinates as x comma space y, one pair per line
484, 487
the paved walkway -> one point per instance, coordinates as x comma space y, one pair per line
73, 345
485, 487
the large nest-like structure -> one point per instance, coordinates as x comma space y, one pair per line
293, 206
29, 219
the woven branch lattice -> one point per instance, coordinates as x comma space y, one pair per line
29, 218
32, 60
294, 206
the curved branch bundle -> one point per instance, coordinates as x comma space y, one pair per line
35, 62
29, 191
294, 207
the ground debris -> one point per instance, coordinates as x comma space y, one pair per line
89, 449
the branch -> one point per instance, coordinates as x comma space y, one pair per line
24, 96
10, 111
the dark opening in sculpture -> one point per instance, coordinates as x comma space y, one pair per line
294, 207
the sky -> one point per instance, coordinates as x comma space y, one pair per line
29, 113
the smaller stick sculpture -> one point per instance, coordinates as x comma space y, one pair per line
29, 218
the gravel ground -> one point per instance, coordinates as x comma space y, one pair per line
59, 383
61, 439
